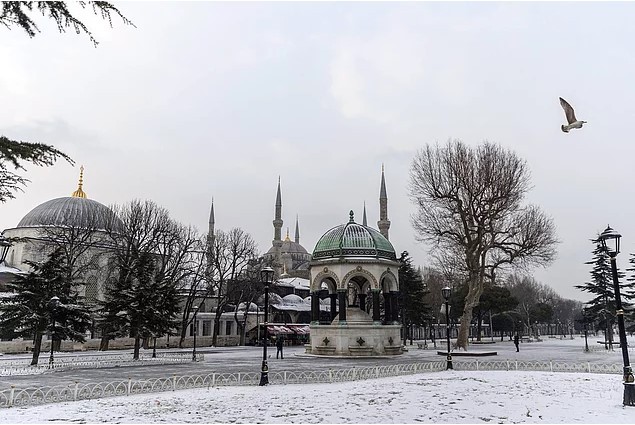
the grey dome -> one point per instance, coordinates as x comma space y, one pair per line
291, 247
71, 211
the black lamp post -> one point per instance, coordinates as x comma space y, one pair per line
629, 381
266, 276
53, 304
586, 330
446, 292
194, 329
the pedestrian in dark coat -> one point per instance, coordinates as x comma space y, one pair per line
516, 341
279, 345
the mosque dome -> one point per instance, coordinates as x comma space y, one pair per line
76, 210
292, 299
289, 246
353, 240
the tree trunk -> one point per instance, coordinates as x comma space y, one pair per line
103, 344
137, 345
475, 288
479, 327
216, 329
37, 346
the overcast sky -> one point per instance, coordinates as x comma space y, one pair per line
205, 100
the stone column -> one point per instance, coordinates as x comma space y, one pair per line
362, 302
341, 293
315, 307
387, 308
395, 307
333, 298
376, 317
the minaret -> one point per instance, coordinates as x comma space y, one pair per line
383, 223
211, 220
277, 232
297, 230
79, 193
210, 240
364, 221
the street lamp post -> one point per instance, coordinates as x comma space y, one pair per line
446, 292
629, 381
53, 304
586, 330
266, 276
194, 329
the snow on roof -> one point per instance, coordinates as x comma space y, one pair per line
11, 270
295, 282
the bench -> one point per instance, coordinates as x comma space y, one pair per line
422, 345
615, 343
525, 339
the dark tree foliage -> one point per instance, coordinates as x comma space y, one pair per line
415, 310
629, 311
14, 155
16, 13
27, 312
601, 308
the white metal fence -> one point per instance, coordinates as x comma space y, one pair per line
19, 367
53, 394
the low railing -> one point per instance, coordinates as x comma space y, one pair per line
15, 367
52, 394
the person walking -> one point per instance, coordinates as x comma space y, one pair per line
516, 341
279, 345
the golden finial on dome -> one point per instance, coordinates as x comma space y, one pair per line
79, 193
287, 238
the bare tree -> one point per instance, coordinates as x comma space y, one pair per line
197, 287
150, 250
469, 200
232, 253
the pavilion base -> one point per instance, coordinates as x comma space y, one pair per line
359, 336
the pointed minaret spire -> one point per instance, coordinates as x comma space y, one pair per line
277, 222
297, 230
277, 233
79, 193
383, 223
210, 239
364, 221
211, 218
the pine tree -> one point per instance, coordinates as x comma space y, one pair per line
601, 307
141, 304
414, 310
629, 310
27, 312
13, 154
17, 13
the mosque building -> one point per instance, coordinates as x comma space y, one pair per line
290, 259
69, 215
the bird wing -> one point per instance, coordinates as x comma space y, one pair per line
568, 111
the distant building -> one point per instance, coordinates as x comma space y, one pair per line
288, 256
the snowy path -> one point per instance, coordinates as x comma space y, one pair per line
441, 397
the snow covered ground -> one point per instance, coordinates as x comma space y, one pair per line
437, 397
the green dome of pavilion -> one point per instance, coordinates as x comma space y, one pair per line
353, 240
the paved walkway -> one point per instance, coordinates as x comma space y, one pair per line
248, 359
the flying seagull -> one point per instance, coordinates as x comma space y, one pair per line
568, 111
